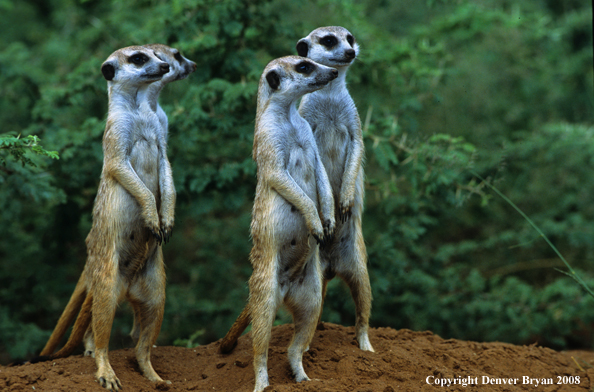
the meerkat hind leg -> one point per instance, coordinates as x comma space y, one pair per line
106, 292
304, 300
147, 296
352, 268
135, 331
89, 342
263, 304
324, 290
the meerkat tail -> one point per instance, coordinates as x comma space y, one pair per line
230, 340
72, 309
78, 330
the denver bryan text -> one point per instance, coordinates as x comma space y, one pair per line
486, 380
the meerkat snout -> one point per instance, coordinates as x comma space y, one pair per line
164, 68
180, 67
350, 53
327, 74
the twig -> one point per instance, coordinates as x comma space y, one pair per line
577, 364
571, 272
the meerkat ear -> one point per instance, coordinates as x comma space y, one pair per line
302, 47
273, 79
108, 71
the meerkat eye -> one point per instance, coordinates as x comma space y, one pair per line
350, 40
329, 41
138, 59
178, 56
304, 67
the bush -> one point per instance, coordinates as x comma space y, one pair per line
499, 88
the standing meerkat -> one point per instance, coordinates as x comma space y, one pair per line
179, 68
336, 126
293, 212
132, 215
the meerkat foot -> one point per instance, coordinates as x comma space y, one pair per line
261, 383
365, 344
109, 381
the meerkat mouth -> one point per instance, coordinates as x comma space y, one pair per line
183, 76
320, 83
342, 61
155, 75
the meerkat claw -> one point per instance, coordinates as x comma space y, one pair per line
345, 213
318, 240
166, 235
157, 236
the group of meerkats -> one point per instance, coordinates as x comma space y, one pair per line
306, 218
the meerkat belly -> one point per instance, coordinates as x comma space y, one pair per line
333, 144
290, 230
117, 224
293, 241
301, 167
144, 159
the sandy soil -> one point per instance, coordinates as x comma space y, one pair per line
404, 361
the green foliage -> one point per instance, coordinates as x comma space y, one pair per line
443, 89
17, 148
20, 338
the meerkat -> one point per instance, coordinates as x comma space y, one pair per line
179, 68
293, 212
133, 213
336, 126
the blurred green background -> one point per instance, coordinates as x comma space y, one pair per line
444, 88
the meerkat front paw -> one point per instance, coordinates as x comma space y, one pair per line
346, 210
151, 219
166, 225
318, 232
329, 226
166, 232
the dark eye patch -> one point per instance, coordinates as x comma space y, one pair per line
350, 40
304, 67
138, 58
178, 57
329, 41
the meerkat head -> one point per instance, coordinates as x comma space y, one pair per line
135, 65
180, 67
333, 46
291, 77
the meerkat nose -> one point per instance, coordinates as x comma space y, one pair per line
350, 53
164, 68
334, 72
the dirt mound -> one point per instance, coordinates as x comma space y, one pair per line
404, 361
